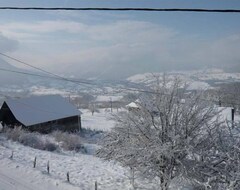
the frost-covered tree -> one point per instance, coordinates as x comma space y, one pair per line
92, 107
167, 137
220, 161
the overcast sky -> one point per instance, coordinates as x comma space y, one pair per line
118, 44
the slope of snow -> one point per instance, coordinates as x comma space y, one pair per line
197, 79
17, 176
143, 78
41, 90
108, 98
98, 121
198, 85
84, 170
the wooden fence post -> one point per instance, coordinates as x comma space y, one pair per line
35, 162
68, 178
95, 185
11, 157
48, 167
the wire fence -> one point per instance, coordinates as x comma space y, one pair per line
46, 167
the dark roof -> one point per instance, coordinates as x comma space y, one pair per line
41, 109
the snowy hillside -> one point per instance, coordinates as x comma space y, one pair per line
84, 169
199, 79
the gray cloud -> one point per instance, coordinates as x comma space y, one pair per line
153, 52
7, 44
124, 47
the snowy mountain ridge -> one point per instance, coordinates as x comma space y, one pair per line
197, 79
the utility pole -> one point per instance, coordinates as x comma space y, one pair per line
233, 110
111, 104
220, 103
69, 98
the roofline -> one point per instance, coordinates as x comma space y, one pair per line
12, 113
50, 120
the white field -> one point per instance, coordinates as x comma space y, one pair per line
99, 120
84, 169
105, 98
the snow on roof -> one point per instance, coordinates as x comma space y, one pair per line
40, 109
132, 105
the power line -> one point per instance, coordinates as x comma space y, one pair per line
26, 73
57, 77
44, 71
78, 82
41, 76
121, 88
122, 9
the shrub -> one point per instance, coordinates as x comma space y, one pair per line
14, 134
34, 140
58, 135
50, 146
68, 141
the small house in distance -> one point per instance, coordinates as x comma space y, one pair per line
132, 106
41, 113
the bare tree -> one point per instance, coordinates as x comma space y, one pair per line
92, 107
166, 137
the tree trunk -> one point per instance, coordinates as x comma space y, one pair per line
163, 184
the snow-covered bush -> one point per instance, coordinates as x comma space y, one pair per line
14, 134
34, 140
31, 139
49, 146
68, 141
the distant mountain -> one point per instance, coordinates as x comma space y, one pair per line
197, 79
7, 78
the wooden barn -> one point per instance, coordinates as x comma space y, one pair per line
41, 113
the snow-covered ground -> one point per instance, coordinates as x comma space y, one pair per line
106, 98
100, 120
84, 169
197, 79
198, 85
14, 176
